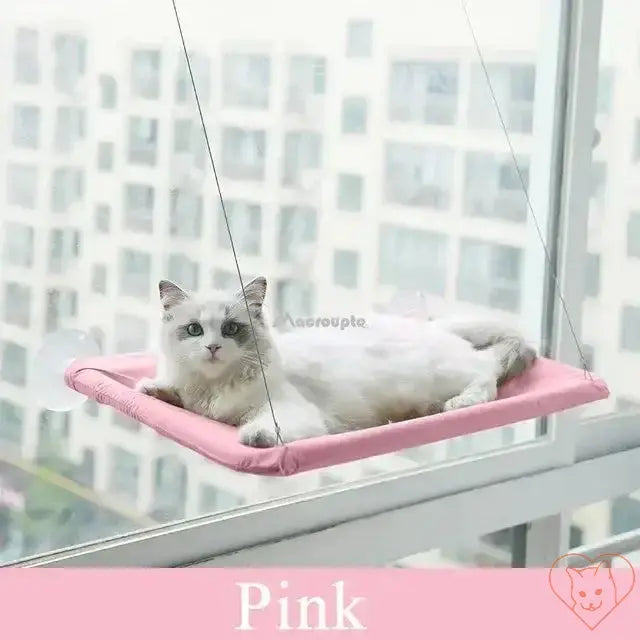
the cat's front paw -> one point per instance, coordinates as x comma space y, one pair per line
258, 434
159, 390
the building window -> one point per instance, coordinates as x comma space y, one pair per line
183, 135
627, 405
71, 128
633, 235
22, 185
598, 182
605, 90
67, 188
105, 156
124, 473
354, 115
187, 139
245, 222
294, 298
592, 279
226, 280
103, 218
26, 68
17, 304
589, 356
489, 274
53, 433
424, 92
184, 271
213, 499
302, 154
145, 74
61, 307
64, 249
11, 422
243, 153
97, 334
625, 515
143, 140
170, 488
514, 87
108, 92
13, 365
125, 422
17, 250
345, 268
92, 408
70, 61
185, 216
200, 66
630, 328
99, 278
493, 188
138, 207
131, 333
26, 126
350, 188
413, 259
419, 175
135, 273
297, 232
246, 80
307, 83
359, 38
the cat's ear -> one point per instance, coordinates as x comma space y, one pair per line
255, 292
573, 573
170, 294
601, 565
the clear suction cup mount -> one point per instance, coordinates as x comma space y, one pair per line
57, 352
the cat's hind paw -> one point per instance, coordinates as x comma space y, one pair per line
160, 391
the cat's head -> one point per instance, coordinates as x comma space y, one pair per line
214, 337
591, 586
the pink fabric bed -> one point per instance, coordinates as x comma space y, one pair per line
546, 388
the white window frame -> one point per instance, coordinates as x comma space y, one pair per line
423, 507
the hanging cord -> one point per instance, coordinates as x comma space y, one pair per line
503, 125
226, 219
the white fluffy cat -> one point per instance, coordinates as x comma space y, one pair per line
323, 380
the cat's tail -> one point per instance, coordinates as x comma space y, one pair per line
513, 354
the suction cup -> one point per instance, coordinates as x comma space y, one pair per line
57, 352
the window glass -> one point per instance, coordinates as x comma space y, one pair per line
360, 159
611, 312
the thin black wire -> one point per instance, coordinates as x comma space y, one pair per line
224, 211
554, 274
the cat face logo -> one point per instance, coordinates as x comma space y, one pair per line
592, 592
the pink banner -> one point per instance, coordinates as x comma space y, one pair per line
400, 604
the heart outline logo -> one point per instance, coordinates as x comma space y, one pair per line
592, 592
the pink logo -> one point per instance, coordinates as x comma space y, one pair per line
592, 592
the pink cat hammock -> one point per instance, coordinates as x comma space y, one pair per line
547, 387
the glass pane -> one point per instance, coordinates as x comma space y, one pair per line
593, 524
493, 550
362, 165
611, 311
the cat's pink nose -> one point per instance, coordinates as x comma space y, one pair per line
213, 348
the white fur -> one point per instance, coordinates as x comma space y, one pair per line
327, 380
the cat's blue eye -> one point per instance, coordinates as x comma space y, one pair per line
195, 329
